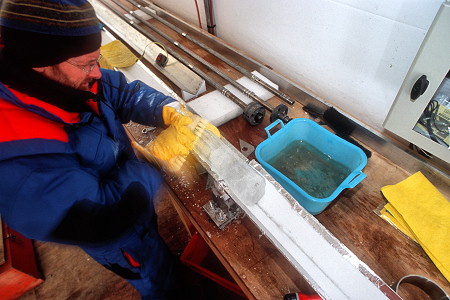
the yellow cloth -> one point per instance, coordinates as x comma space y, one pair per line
116, 55
390, 214
426, 213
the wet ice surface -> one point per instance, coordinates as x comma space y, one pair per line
233, 172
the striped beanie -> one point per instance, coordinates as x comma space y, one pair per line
38, 33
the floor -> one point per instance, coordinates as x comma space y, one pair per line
70, 273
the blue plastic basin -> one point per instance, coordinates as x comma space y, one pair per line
324, 141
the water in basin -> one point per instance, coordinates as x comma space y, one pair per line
312, 170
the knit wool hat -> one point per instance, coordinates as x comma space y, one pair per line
38, 33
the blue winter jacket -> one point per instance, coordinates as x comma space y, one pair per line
79, 182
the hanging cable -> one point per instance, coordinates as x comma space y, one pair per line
156, 43
198, 15
161, 59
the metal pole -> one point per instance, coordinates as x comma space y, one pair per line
209, 17
245, 72
253, 113
213, 68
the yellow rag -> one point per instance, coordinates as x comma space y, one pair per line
390, 214
426, 213
116, 55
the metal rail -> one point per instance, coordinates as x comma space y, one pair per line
242, 70
254, 113
279, 112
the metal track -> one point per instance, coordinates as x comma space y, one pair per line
213, 68
242, 70
216, 85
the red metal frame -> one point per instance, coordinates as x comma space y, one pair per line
195, 254
19, 273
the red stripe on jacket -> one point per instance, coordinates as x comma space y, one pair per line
17, 123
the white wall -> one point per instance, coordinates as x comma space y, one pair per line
353, 54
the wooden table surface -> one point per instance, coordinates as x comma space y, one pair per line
262, 271
256, 265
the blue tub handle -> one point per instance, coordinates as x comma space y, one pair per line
351, 182
275, 123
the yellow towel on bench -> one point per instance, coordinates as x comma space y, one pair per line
391, 215
116, 55
426, 213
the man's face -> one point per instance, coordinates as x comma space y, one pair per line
77, 72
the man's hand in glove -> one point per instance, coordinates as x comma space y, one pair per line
178, 139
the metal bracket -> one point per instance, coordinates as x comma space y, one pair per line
221, 209
246, 148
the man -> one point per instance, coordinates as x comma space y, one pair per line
67, 171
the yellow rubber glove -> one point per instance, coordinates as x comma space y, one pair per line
176, 140
171, 114
179, 138
185, 167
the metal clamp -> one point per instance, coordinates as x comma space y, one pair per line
221, 209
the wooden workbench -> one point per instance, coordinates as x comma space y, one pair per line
254, 262
263, 272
